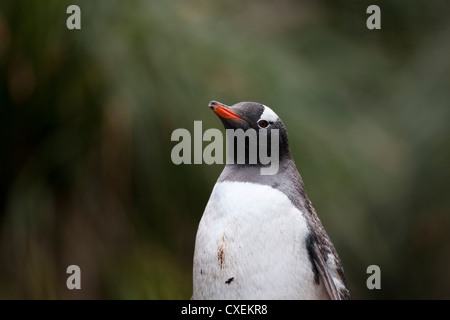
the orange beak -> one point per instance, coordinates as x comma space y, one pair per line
223, 111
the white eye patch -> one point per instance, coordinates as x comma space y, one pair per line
268, 115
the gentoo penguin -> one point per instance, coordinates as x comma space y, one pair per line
259, 236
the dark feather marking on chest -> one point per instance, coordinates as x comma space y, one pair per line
229, 280
221, 257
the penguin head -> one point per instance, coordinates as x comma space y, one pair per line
246, 115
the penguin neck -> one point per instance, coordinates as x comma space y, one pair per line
250, 153
286, 180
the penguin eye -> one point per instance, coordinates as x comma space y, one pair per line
263, 123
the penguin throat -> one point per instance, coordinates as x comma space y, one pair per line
251, 148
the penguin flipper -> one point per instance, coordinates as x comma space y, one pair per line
322, 268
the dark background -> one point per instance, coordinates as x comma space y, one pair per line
86, 118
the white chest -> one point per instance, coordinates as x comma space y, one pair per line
251, 245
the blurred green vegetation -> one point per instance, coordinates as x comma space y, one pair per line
86, 118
